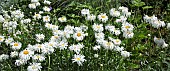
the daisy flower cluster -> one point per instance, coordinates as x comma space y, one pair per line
154, 21
60, 39
10, 20
122, 15
112, 44
35, 53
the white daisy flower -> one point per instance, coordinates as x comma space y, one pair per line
96, 55
20, 62
128, 34
39, 37
76, 48
98, 27
85, 12
103, 17
37, 16
127, 27
79, 59
4, 57
97, 47
123, 9
79, 35
34, 1
57, 32
168, 26
108, 45
117, 32
99, 35
25, 21
119, 49
127, 14
65, 34
114, 13
125, 54
117, 42
34, 67
1, 19
32, 6
55, 38
91, 17
147, 18
48, 25
54, 27
37, 4
62, 19
2, 38
110, 28
38, 57
41, 12
47, 9
16, 45
84, 27
69, 29
38, 47
26, 54
51, 44
63, 45
153, 18
47, 2
157, 24
48, 50
14, 54
46, 18
31, 47
17, 14
122, 19
100, 41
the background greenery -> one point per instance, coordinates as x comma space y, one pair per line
145, 55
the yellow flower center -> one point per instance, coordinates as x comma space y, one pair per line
127, 27
39, 46
62, 44
56, 31
98, 26
16, 44
33, 67
51, 44
78, 34
36, 15
46, 18
103, 16
78, 59
1, 38
56, 37
38, 56
62, 18
26, 52
117, 40
108, 43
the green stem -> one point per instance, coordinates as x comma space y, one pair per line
9, 66
48, 62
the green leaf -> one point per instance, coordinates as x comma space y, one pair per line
146, 7
134, 65
140, 47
